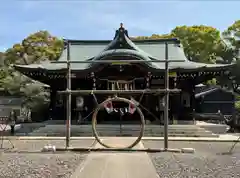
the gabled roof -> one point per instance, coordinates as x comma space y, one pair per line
122, 46
206, 90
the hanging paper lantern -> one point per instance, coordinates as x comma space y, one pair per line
79, 102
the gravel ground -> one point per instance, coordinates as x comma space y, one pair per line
29, 162
37, 145
18, 165
209, 161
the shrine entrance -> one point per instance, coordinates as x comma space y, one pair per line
119, 112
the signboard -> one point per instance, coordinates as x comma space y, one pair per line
120, 63
172, 74
157, 81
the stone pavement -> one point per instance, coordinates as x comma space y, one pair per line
117, 165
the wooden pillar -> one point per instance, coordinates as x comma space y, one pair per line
148, 78
147, 96
52, 105
94, 87
93, 80
189, 89
175, 82
69, 98
193, 100
178, 98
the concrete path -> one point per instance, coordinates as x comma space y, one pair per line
117, 165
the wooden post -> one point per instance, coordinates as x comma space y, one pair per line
68, 122
166, 99
93, 80
194, 121
52, 104
146, 91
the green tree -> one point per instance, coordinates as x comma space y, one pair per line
35, 96
36, 47
232, 36
229, 52
2, 56
153, 36
33, 92
200, 43
229, 47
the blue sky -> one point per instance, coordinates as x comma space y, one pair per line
98, 19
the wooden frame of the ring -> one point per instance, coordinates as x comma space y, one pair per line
94, 122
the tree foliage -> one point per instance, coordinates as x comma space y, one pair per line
153, 36
232, 35
34, 93
230, 51
35, 48
200, 43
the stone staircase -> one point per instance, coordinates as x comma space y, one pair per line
26, 128
126, 130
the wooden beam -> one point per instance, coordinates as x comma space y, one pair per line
147, 91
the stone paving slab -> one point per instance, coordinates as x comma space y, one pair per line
117, 165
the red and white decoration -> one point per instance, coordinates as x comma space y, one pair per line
132, 107
108, 106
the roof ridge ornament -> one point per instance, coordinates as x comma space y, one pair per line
121, 31
121, 25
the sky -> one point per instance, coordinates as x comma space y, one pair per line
98, 19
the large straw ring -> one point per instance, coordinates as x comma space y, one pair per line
94, 122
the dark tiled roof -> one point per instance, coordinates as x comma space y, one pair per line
122, 45
10, 101
205, 90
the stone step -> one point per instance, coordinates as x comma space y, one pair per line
130, 126
123, 134
127, 130
124, 131
124, 127
114, 128
128, 135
